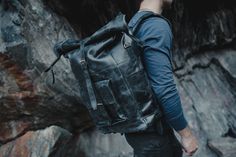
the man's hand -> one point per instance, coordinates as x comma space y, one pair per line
188, 141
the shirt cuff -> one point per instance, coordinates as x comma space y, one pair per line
178, 123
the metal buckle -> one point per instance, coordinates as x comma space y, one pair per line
82, 62
125, 45
99, 104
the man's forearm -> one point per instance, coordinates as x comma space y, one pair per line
169, 100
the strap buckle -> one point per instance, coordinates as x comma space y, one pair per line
83, 63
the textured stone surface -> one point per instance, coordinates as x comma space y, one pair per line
40, 143
208, 96
28, 99
225, 147
204, 67
94, 143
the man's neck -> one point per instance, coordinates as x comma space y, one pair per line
152, 5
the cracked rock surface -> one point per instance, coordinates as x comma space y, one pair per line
42, 119
28, 99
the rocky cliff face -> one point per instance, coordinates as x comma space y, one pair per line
39, 118
29, 101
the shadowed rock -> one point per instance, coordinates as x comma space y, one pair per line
29, 100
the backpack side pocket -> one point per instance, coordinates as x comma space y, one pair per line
114, 110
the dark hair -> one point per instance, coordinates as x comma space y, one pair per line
139, 2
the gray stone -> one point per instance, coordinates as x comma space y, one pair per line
224, 147
27, 96
41, 143
94, 143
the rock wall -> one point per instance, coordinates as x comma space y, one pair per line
29, 99
39, 118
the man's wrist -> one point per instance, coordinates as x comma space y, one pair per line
186, 132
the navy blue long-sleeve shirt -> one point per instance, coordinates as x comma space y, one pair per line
155, 33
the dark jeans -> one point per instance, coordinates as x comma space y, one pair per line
152, 144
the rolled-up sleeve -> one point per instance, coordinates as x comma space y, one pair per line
156, 36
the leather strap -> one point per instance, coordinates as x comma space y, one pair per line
147, 15
89, 86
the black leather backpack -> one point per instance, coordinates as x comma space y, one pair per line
112, 80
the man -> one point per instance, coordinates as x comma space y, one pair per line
156, 35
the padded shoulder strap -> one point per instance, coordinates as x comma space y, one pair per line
147, 15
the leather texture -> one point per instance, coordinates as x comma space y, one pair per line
112, 80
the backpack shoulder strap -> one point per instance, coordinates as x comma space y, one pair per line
147, 15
